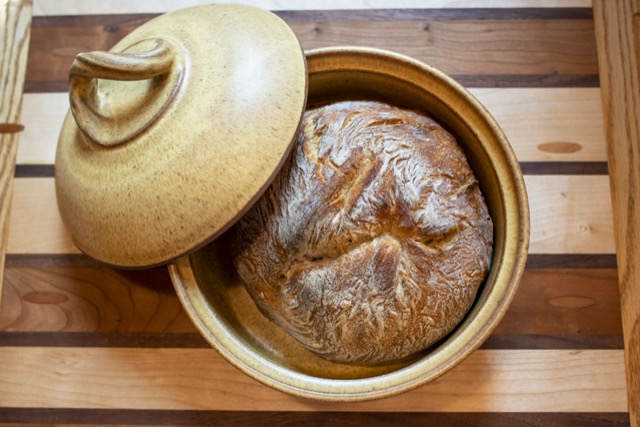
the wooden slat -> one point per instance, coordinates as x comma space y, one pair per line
80, 7
459, 47
528, 168
569, 214
96, 299
549, 124
15, 19
564, 302
487, 381
540, 261
578, 304
36, 224
42, 117
194, 340
496, 47
618, 30
568, 123
91, 417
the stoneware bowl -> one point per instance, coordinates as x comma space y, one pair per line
222, 310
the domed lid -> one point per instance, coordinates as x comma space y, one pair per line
174, 133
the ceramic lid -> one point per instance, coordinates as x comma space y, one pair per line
175, 133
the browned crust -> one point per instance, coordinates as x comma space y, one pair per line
372, 242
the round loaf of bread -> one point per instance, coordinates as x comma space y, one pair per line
372, 241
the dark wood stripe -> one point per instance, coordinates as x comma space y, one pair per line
533, 261
528, 80
195, 340
528, 168
571, 261
108, 21
564, 168
275, 419
97, 339
34, 171
453, 14
548, 47
46, 86
564, 303
554, 342
44, 261
469, 81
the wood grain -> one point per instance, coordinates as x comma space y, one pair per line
195, 340
575, 303
15, 17
618, 40
568, 123
91, 417
36, 224
569, 214
564, 302
467, 80
540, 261
186, 379
91, 300
563, 117
545, 168
498, 47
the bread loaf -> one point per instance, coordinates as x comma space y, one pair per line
372, 241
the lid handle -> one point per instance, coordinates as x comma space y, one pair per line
110, 115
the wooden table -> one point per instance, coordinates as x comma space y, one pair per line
84, 344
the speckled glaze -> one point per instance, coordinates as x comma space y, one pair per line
174, 133
222, 310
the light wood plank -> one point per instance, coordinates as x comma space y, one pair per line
15, 25
618, 39
489, 380
36, 224
569, 214
559, 124
549, 124
42, 115
83, 7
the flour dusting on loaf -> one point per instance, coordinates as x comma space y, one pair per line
371, 243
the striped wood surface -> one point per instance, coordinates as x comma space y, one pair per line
85, 344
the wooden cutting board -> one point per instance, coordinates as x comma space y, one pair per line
81, 343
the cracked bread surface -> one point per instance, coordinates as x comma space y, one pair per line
372, 242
